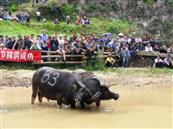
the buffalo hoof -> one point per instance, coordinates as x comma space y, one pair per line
98, 103
59, 106
83, 105
73, 105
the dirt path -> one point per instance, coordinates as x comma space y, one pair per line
16, 78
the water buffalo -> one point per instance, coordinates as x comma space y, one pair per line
96, 89
56, 85
72, 88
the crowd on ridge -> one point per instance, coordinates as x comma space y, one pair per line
25, 17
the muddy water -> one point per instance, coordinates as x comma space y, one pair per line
138, 107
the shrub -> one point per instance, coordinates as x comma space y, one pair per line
96, 63
14, 7
90, 7
69, 9
149, 2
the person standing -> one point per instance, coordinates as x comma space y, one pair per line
38, 15
125, 55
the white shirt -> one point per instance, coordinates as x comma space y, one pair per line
148, 48
158, 60
38, 13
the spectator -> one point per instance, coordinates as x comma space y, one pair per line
56, 21
68, 19
44, 20
152, 41
125, 55
39, 43
27, 43
100, 45
19, 17
109, 60
44, 46
54, 44
34, 46
168, 62
28, 18
156, 48
19, 44
61, 48
44, 36
145, 40
148, 48
112, 45
90, 47
85, 20
78, 20
76, 47
158, 62
2, 47
121, 39
163, 49
170, 50
10, 43
38, 15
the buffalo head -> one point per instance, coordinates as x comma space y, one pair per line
107, 94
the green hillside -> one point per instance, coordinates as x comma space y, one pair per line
97, 26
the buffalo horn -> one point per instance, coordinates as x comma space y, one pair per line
95, 96
81, 83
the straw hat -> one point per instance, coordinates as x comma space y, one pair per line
2, 45
120, 34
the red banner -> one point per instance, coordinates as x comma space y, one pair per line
20, 56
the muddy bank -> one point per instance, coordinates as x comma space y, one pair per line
16, 78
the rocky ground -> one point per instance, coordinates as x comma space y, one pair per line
18, 78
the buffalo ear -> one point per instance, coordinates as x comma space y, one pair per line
103, 88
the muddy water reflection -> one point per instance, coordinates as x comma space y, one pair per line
137, 107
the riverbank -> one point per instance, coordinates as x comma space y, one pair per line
137, 77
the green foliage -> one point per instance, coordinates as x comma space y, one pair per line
96, 63
69, 9
149, 2
170, 2
90, 7
13, 7
114, 6
51, 3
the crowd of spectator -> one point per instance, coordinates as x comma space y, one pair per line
21, 17
126, 45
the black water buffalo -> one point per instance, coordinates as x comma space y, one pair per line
56, 85
96, 89
72, 88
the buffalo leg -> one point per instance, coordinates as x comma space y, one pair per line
97, 102
73, 105
59, 100
34, 95
82, 105
40, 97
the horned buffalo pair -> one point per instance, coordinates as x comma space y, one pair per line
70, 88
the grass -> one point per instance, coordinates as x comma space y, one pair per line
138, 71
97, 26
119, 71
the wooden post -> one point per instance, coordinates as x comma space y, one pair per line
49, 58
